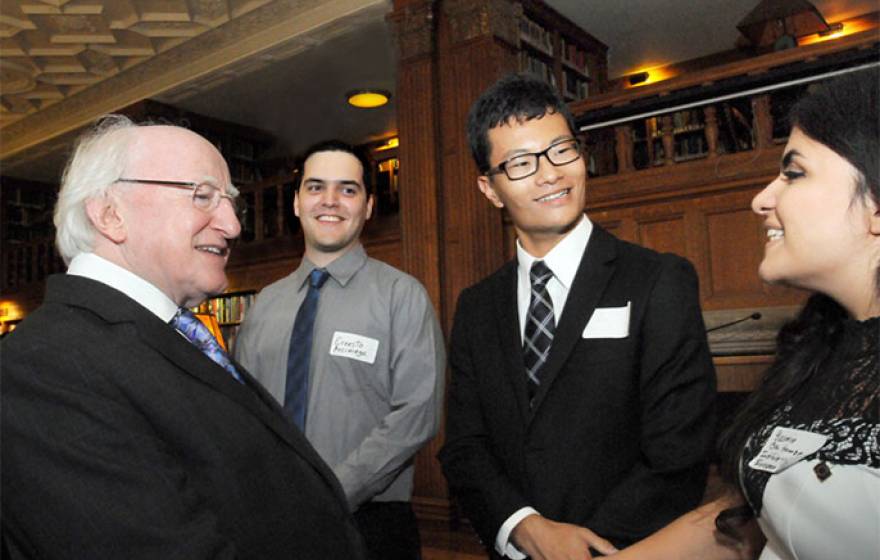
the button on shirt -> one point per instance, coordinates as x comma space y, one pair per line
368, 413
563, 260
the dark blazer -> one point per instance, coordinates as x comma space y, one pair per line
120, 439
619, 433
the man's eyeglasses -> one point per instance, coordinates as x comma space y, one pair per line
526, 165
205, 196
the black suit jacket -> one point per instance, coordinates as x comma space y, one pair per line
621, 428
120, 439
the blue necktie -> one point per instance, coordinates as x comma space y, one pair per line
296, 392
196, 332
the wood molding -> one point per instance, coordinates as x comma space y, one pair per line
412, 29
469, 19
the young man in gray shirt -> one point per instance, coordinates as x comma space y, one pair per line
352, 349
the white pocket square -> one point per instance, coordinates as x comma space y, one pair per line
608, 322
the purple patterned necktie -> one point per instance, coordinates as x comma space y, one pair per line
196, 332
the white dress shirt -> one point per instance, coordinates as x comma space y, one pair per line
563, 261
99, 269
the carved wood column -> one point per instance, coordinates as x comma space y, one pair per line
449, 51
623, 148
668, 139
763, 121
711, 130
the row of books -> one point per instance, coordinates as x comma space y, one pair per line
574, 86
536, 67
682, 121
536, 35
228, 309
574, 56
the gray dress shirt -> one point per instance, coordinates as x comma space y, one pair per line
376, 373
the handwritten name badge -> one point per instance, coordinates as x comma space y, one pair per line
354, 346
785, 447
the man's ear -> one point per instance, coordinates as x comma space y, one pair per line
104, 214
370, 200
489, 192
874, 220
296, 203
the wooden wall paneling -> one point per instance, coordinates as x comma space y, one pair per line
733, 238
664, 234
414, 24
734, 242
449, 52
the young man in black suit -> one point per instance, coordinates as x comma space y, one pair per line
581, 404
126, 431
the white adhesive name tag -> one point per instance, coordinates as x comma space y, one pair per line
608, 322
785, 447
354, 346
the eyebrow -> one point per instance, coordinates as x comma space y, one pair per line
514, 153
789, 156
344, 182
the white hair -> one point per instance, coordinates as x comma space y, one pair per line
98, 160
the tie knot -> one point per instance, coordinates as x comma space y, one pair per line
540, 273
190, 326
317, 277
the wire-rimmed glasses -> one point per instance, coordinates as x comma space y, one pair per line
206, 197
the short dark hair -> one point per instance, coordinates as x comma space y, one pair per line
339, 146
515, 96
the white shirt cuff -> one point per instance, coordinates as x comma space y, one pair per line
502, 541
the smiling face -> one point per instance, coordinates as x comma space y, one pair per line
821, 235
168, 242
544, 206
332, 204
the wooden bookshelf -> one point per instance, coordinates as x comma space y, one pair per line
555, 50
230, 310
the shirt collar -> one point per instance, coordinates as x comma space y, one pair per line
342, 269
563, 259
90, 265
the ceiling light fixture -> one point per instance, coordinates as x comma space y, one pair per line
368, 98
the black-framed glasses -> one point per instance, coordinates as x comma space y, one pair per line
205, 196
526, 165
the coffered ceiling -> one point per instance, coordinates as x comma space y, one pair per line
63, 62
279, 65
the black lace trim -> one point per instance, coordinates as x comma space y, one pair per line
841, 401
851, 441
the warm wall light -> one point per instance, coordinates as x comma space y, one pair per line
368, 98
837, 30
833, 28
389, 144
651, 75
639, 78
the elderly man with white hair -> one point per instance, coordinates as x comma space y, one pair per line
127, 432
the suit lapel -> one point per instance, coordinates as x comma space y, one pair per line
594, 271
507, 324
255, 398
115, 307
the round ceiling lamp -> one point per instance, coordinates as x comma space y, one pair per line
368, 98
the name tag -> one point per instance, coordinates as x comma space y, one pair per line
354, 346
608, 322
785, 447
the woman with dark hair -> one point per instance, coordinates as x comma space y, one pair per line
803, 454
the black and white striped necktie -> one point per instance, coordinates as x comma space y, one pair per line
540, 326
